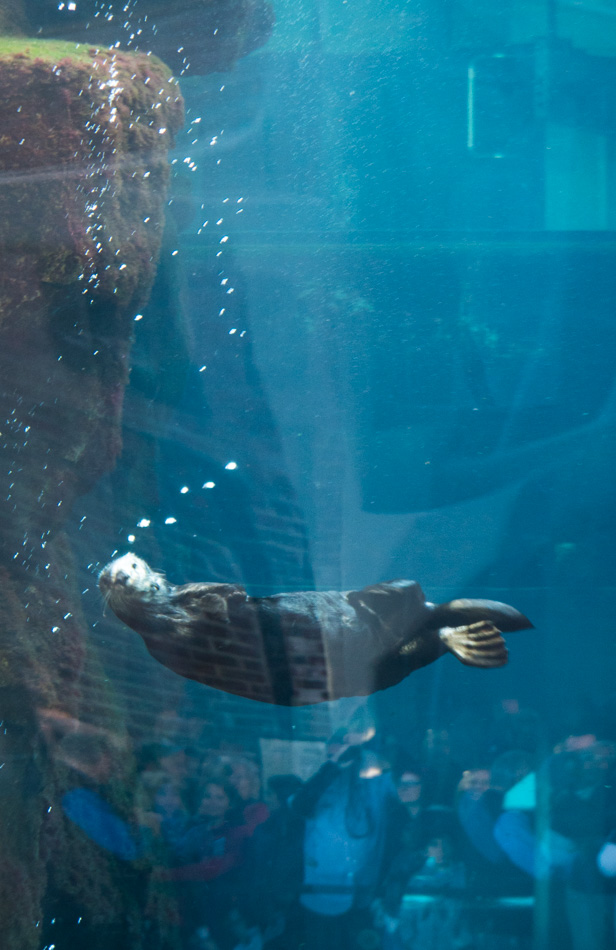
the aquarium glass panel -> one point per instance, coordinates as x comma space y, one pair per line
307, 491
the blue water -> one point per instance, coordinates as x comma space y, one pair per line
380, 345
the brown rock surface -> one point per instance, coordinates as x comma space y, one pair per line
83, 145
83, 165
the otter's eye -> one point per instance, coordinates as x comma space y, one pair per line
155, 586
134, 565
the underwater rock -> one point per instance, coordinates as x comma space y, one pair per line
83, 166
84, 173
190, 36
50, 685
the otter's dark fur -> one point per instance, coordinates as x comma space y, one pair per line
300, 648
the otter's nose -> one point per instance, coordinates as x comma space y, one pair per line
121, 578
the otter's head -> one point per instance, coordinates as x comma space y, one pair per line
128, 581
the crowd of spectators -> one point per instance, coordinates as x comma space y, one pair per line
381, 847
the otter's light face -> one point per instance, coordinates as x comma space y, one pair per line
126, 577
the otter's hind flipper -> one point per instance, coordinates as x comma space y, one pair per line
479, 644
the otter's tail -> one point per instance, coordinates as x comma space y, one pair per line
458, 613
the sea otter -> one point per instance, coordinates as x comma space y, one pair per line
301, 648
